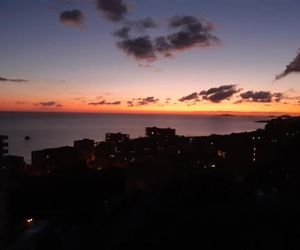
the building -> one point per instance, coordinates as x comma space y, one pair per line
116, 138
3, 145
163, 133
12, 166
85, 151
54, 160
84, 145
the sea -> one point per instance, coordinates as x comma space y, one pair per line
48, 130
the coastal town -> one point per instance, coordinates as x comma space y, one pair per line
242, 177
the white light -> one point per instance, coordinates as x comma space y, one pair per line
29, 220
213, 165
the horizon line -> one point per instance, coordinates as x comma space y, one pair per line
195, 113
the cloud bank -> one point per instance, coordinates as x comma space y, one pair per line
190, 97
104, 103
189, 32
218, 94
261, 96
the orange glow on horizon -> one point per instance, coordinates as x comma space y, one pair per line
173, 107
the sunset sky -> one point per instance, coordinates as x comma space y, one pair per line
162, 56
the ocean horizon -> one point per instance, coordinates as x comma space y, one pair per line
52, 129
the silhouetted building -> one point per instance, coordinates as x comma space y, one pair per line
162, 133
3, 145
12, 166
85, 150
116, 138
54, 160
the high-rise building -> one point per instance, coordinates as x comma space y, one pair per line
116, 138
53, 160
85, 151
3, 145
162, 133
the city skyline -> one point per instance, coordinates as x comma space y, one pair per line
187, 57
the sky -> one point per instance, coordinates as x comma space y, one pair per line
141, 56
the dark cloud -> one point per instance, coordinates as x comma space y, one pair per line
189, 32
261, 96
72, 17
278, 97
150, 99
219, 94
114, 10
122, 33
140, 48
49, 104
190, 97
147, 101
97, 103
143, 101
104, 103
3, 79
293, 67
130, 103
